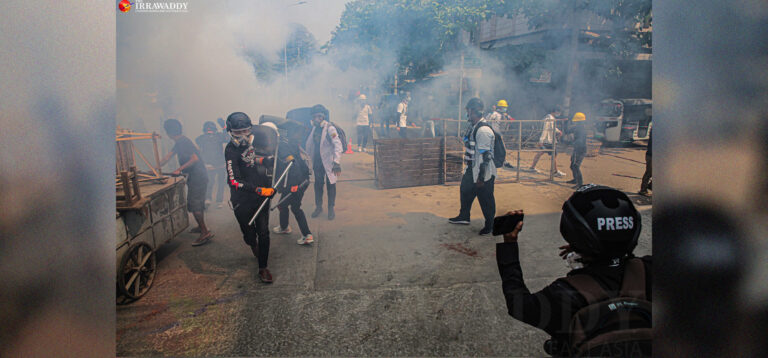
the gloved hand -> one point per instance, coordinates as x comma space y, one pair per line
336, 168
294, 188
268, 161
267, 192
222, 123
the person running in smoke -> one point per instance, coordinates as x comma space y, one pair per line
190, 163
579, 148
324, 148
364, 119
547, 141
296, 184
250, 185
211, 144
480, 174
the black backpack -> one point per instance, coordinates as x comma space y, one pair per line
342, 136
499, 151
608, 326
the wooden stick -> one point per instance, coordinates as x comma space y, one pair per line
146, 161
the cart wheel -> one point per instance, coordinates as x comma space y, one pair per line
137, 271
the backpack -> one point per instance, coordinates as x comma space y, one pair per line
342, 136
499, 151
612, 326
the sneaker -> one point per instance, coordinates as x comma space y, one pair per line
507, 165
459, 220
306, 240
559, 174
279, 230
643, 192
485, 232
265, 276
317, 212
331, 214
572, 181
220, 205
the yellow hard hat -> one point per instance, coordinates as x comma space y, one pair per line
578, 116
501, 103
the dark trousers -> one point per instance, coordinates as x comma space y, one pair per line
363, 132
219, 177
576, 159
294, 203
320, 179
647, 175
468, 191
258, 233
403, 132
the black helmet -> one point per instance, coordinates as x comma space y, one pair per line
600, 222
475, 104
238, 120
319, 108
209, 126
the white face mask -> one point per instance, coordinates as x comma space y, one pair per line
241, 137
573, 261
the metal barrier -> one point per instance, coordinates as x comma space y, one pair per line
507, 129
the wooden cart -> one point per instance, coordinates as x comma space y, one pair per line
151, 210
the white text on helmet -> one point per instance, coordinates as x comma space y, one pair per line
615, 223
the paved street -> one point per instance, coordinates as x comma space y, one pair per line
388, 277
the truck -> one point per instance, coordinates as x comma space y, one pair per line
623, 120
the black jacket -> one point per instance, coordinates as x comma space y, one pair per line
244, 174
551, 308
579, 137
299, 170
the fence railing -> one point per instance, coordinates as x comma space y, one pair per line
524, 135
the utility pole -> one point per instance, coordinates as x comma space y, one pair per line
461, 88
573, 65
397, 67
285, 61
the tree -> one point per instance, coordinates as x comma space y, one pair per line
417, 35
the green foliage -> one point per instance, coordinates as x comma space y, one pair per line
415, 34
419, 35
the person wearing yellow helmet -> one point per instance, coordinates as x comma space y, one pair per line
498, 114
579, 147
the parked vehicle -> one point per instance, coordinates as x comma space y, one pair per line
623, 120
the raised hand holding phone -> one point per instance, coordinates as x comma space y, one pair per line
509, 225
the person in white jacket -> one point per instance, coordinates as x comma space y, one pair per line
324, 148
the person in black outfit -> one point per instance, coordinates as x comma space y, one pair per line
296, 183
190, 163
597, 251
579, 148
250, 185
480, 175
648, 172
211, 144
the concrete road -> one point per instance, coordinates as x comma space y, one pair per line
388, 277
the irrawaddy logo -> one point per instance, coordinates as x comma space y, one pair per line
153, 6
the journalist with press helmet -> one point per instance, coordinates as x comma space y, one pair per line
601, 228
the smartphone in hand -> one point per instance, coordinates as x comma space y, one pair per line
506, 223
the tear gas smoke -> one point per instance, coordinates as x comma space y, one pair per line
57, 228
